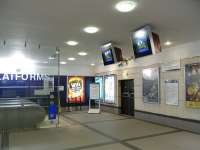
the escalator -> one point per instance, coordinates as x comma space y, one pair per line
20, 113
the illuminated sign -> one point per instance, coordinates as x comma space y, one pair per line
76, 90
109, 82
24, 77
141, 40
99, 80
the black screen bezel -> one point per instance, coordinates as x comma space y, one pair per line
135, 49
104, 58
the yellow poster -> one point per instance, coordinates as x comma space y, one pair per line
192, 84
76, 91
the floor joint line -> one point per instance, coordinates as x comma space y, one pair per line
152, 135
103, 134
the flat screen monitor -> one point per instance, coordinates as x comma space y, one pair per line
141, 43
111, 54
145, 42
108, 57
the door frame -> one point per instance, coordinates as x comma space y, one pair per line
120, 95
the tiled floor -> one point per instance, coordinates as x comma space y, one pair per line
109, 147
56, 139
82, 131
175, 141
62, 123
130, 128
86, 118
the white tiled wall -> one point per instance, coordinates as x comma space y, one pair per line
186, 53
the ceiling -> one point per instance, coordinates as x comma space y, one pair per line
52, 22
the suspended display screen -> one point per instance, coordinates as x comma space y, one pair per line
109, 82
141, 43
145, 42
111, 54
108, 57
76, 89
99, 80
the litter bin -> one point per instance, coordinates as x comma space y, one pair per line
52, 111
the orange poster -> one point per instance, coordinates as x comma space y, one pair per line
76, 91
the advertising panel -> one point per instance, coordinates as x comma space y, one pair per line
109, 89
76, 89
192, 85
94, 91
151, 90
99, 80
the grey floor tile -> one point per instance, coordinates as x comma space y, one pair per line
55, 139
175, 141
130, 128
95, 132
109, 147
90, 118
63, 122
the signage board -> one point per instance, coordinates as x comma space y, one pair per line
94, 91
76, 89
171, 92
24, 77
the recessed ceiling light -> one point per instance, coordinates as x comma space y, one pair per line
71, 58
45, 62
126, 5
51, 58
92, 64
91, 29
35, 61
63, 62
168, 43
72, 43
82, 53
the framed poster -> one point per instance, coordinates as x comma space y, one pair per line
171, 92
151, 91
76, 89
99, 80
109, 90
192, 85
94, 91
